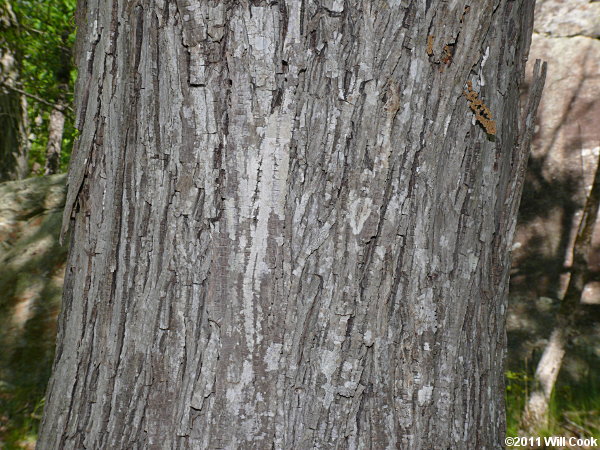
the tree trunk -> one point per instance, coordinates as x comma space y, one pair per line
56, 126
291, 225
535, 415
14, 126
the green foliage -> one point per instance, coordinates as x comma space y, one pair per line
21, 411
576, 406
573, 410
517, 384
44, 41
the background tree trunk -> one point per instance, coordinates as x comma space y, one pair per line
14, 127
56, 127
289, 230
56, 124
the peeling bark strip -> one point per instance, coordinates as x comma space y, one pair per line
288, 233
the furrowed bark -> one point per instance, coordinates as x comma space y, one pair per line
289, 228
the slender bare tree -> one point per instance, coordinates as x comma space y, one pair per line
291, 224
14, 126
56, 127
56, 122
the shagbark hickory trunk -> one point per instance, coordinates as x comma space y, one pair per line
290, 227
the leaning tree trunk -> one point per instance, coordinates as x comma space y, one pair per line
14, 127
291, 225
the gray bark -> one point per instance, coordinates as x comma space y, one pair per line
56, 127
14, 127
290, 227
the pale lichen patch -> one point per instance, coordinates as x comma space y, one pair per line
272, 356
359, 211
424, 395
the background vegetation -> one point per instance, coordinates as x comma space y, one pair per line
43, 40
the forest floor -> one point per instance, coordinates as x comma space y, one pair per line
575, 403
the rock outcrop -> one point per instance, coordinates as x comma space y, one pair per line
567, 18
32, 267
565, 153
565, 148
